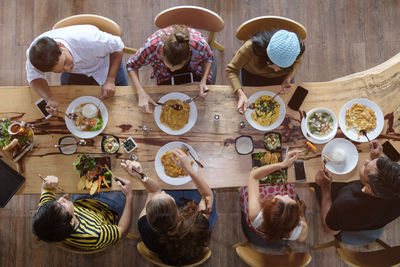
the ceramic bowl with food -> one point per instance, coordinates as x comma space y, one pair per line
272, 141
110, 144
321, 123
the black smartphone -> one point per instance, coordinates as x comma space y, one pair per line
41, 105
299, 171
182, 78
390, 151
297, 98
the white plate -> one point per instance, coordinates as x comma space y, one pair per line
282, 112
81, 100
311, 139
351, 156
160, 168
352, 133
192, 114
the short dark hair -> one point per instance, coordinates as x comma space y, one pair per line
386, 183
52, 223
44, 54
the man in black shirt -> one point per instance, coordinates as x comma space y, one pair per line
367, 204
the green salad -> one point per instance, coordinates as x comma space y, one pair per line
5, 136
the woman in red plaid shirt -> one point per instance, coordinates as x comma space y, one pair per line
171, 51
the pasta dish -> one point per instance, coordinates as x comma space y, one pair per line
360, 118
170, 168
175, 119
266, 111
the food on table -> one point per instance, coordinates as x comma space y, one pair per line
311, 146
244, 145
170, 167
272, 141
129, 145
360, 117
266, 111
266, 158
93, 175
88, 118
175, 119
110, 144
320, 123
338, 155
15, 143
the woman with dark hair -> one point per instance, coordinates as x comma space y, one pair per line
176, 224
267, 58
176, 51
272, 212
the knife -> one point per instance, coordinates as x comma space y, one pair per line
24, 151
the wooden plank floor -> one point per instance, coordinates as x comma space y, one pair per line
343, 37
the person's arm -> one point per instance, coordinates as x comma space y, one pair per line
42, 88
286, 83
108, 88
303, 222
126, 218
143, 98
375, 149
324, 180
152, 187
203, 83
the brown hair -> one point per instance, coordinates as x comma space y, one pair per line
280, 218
186, 242
162, 214
176, 49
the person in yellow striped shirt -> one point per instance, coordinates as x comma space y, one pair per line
87, 222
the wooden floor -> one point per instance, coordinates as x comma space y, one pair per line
344, 36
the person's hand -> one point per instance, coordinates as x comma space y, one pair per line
375, 149
290, 158
52, 107
107, 90
126, 186
144, 103
131, 166
323, 179
203, 89
302, 207
286, 86
183, 159
50, 182
242, 101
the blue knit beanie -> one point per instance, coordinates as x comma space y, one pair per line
283, 48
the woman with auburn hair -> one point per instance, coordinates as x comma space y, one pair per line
176, 225
272, 214
174, 52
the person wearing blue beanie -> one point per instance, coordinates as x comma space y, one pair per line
267, 58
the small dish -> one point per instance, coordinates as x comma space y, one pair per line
129, 145
14, 128
110, 144
68, 150
322, 112
272, 141
244, 145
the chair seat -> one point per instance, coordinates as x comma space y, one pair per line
380, 258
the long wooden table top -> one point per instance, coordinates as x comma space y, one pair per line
212, 140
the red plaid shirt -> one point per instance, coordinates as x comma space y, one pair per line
151, 52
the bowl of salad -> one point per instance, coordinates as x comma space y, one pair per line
321, 123
110, 144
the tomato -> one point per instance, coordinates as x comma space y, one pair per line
92, 122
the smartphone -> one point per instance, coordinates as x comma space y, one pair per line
182, 78
390, 151
297, 98
41, 105
299, 171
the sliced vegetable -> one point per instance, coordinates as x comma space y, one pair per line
82, 183
95, 186
311, 146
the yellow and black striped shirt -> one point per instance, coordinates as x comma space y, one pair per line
98, 224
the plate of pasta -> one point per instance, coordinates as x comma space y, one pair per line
268, 114
166, 168
361, 114
172, 121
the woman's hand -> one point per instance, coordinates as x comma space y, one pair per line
290, 158
203, 89
242, 101
131, 166
144, 102
183, 159
375, 149
286, 85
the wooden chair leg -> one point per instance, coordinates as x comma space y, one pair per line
217, 45
333, 243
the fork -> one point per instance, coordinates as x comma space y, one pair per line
187, 101
184, 147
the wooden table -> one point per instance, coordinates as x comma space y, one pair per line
212, 140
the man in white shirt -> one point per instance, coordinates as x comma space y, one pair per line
82, 53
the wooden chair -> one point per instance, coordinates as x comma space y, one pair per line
258, 259
194, 17
267, 23
153, 258
103, 23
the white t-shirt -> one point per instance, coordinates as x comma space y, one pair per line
90, 49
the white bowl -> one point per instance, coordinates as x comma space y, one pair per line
11, 125
335, 124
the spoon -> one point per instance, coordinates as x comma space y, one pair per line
176, 106
193, 98
80, 142
364, 132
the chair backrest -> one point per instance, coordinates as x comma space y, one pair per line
379, 258
258, 259
75, 250
192, 16
267, 23
153, 258
363, 237
103, 23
